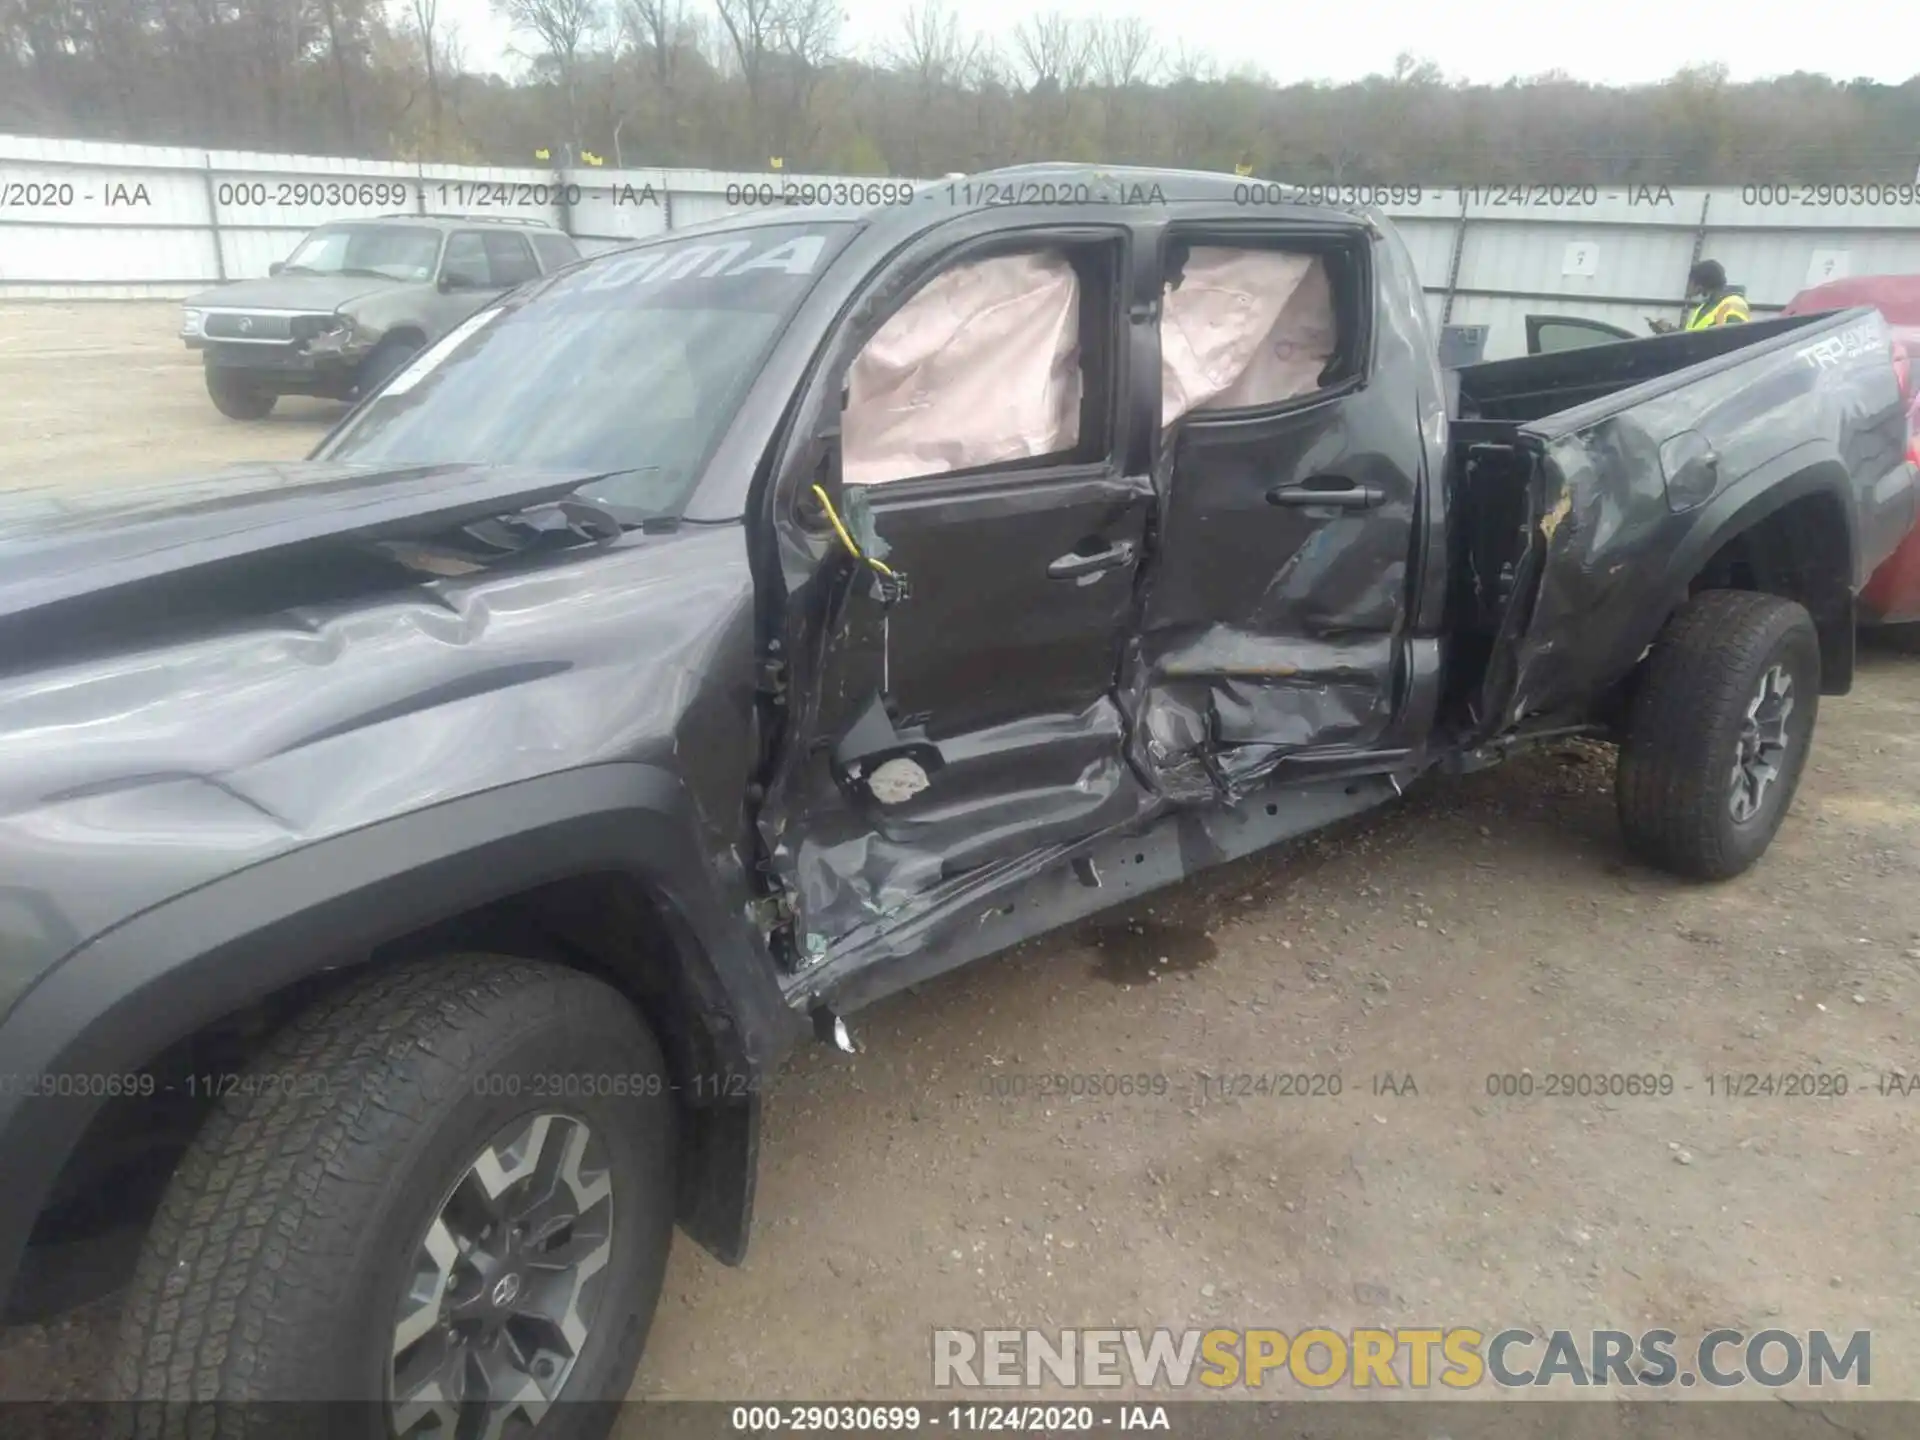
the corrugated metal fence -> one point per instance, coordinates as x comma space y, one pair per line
81, 219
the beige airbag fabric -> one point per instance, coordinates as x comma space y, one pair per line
981, 366
1245, 328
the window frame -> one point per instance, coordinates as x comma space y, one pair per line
1107, 403
488, 238
446, 257
1356, 305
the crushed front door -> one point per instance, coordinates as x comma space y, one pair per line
1276, 608
971, 722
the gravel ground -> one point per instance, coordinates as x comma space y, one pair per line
1485, 926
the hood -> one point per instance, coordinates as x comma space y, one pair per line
292, 292
58, 545
135, 767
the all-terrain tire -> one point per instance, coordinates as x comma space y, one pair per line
1675, 782
282, 1251
237, 397
388, 359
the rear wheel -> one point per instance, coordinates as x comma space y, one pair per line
447, 1190
1719, 732
237, 397
1902, 637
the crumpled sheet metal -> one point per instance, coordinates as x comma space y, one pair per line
1217, 706
233, 747
1224, 708
861, 862
982, 365
1602, 501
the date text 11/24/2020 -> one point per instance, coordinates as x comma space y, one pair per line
231, 196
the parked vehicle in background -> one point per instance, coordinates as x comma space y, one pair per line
1550, 334
1892, 597
417, 860
356, 301
1546, 335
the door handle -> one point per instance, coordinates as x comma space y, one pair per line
1075, 564
1332, 491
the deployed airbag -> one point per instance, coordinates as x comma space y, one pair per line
1244, 328
981, 366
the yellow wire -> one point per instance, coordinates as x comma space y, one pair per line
846, 539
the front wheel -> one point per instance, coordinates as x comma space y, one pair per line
1718, 733
447, 1190
236, 397
388, 359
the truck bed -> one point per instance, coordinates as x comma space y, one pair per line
1532, 387
1568, 471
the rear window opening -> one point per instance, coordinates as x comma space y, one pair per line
1253, 327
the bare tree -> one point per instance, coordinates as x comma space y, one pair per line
1053, 49
751, 27
931, 48
1188, 66
1121, 57
808, 30
337, 42
731, 82
423, 17
806, 34
565, 28
938, 61
1121, 53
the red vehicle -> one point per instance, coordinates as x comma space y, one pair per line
1892, 596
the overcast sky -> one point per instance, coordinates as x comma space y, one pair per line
1605, 41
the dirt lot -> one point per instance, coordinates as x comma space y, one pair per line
1487, 926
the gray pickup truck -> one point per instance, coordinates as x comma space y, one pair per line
416, 859
355, 301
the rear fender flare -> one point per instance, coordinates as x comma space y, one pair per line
1814, 468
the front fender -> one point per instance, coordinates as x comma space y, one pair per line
117, 1001
376, 314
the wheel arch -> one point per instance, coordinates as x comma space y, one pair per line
1788, 530
534, 864
406, 330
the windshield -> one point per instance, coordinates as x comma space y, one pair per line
629, 368
398, 252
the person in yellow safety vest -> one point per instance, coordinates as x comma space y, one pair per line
1718, 302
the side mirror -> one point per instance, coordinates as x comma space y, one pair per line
459, 280
276, 267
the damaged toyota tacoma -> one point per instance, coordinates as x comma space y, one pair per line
414, 860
